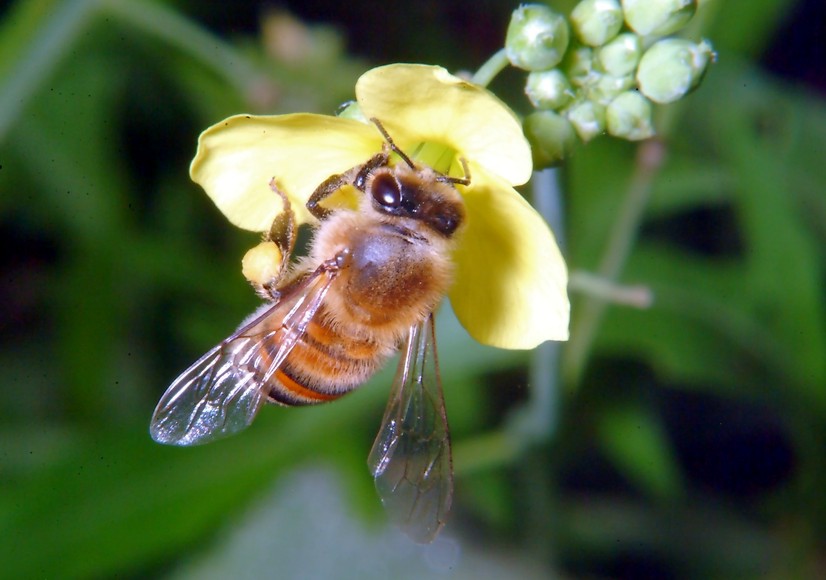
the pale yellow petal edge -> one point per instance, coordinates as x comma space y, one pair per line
237, 158
510, 289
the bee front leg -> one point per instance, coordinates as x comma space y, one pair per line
265, 264
356, 177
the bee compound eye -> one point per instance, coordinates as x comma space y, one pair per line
448, 225
445, 224
386, 192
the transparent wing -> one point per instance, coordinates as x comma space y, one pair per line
411, 458
222, 392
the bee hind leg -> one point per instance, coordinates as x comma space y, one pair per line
264, 265
283, 229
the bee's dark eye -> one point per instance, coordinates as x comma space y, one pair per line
386, 191
446, 224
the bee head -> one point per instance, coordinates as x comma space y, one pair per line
417, 193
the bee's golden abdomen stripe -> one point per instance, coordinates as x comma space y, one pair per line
325, 339
321, 334
296, 393
324, 358
324, 371
323, 366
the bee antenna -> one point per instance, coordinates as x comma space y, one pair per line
393, 147
457, 180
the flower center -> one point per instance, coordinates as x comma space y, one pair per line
439, 156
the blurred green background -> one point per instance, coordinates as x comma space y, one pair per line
683, 440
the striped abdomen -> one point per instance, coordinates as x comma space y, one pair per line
324, 365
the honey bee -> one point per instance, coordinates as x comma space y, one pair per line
367, 288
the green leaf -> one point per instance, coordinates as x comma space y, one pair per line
747, 27
784, 276
700, 329
638, 446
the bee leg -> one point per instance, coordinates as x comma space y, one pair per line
283, 229
265, 265
331, 268
356, 177
378, 160
327, 188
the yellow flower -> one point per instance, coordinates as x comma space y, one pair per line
510, 284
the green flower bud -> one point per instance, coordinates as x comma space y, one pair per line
607, 87
629, 117
672, 67
597, 21
351, 110
658, 17
579, 64
620, 56
548, 89
537, 38
588, 118
551, 136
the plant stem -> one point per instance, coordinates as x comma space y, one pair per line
610, 291
166, 24
61, 27
650, 157
50, 42
492, 67
537, 419
486, 451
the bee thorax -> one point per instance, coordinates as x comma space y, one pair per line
391, 274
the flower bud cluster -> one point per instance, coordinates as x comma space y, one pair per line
602, 68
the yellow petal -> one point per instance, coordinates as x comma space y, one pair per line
420, 103
238, 157
511, 281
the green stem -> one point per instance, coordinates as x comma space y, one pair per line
62, 26
485, 452
488, 71
609, 291
650, 157
536, 420
166, 24
49, 43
